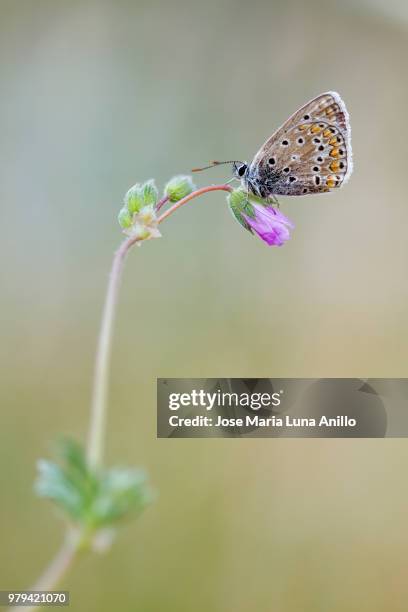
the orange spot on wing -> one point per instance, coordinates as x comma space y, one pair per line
334, 152
334, 166
327, 133
315, 129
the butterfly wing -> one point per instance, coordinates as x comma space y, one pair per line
310, 153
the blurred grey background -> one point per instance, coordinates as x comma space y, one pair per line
98, 95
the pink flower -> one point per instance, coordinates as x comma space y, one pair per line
269, 223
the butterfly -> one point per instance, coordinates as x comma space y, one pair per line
310, 153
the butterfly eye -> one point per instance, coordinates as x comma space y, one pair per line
241, 170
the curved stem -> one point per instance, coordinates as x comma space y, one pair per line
162, 202
101, 377
96, 436
194, 194
101, 380
57, 568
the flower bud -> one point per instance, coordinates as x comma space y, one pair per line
269, 224
179, 187
260, 218
237, 198
150, 194
124, 218
139, 196
134, 199
239, 203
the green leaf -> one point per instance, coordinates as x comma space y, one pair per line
91, 499
52, 482
123, 493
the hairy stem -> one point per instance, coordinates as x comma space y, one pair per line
194, 194
101, 381
162, 202
57, 569
97, 426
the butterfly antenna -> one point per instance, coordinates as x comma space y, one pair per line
216, 163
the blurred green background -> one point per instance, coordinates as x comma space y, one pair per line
98, 95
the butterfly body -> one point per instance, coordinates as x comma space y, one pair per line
310, 153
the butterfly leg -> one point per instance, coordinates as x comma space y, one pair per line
274, 201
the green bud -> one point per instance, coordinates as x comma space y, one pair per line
179, 187
138, 216
237, 199
139, 196
239, 203
150, 194
124, 218
134, 199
